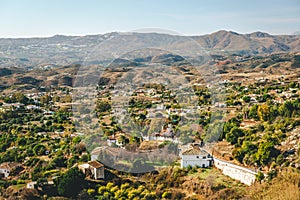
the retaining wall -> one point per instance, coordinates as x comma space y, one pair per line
242, 174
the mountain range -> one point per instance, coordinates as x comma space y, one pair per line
102, 48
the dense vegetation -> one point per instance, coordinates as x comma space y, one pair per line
260, 127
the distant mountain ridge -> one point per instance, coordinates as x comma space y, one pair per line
64, 50
253, 43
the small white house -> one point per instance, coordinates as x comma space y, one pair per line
111, 141
195, 156
4, 172
31, 185
94, 169
160, 107
7, 167
97, 169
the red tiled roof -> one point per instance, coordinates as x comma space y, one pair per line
95, 164
194, 151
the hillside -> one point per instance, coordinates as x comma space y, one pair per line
244, 69
46, 126
93, 49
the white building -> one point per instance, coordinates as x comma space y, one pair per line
4, 173
31, 185
93, 169
97, 169
7, 167
116, 139
111, 141
160, 107
195, 156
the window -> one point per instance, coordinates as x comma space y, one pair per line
204, 157
197, 156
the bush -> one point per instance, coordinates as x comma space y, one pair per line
259, 176
246, 99
166, 195
39, 149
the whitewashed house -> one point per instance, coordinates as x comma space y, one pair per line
7, 167
111, 140
160, 107
117, 140
93, 168
31, 185
97, 169
195, 156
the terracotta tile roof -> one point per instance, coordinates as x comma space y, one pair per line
95, 164
194, 151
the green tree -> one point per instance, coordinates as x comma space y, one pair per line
253, 112
286, 110
103, 106
74, 159
234, 134
259, 176
266, 152
233, 122
39, 149
246, 99
263, 111
76, 140
45, 99
59, 161
19, 97
21, 141
71, 183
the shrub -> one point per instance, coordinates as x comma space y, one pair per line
259, 176
166, 195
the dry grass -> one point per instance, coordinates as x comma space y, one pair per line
149, 145
284, 187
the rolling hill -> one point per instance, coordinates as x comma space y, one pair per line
99, 49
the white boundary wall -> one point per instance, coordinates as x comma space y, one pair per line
242, 174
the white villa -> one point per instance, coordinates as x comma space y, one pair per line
195, 156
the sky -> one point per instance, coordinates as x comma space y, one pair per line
44, 18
